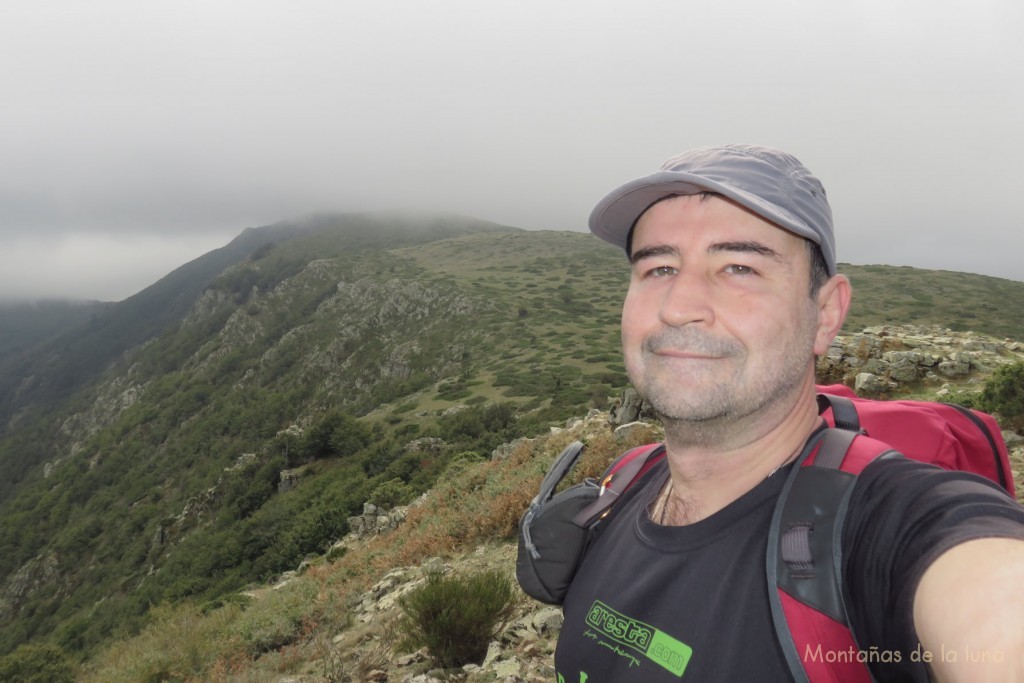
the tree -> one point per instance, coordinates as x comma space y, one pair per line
336, 435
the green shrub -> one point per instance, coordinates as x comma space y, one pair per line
456, 617
278, 619
337, 434
1004, 394
36, 663
391, 493
966, 400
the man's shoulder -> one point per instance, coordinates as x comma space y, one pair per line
895, 474
899, 498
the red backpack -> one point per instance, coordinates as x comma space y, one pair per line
803, 583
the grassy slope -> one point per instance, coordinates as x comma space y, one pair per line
889, 295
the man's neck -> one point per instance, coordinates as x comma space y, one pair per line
707, 475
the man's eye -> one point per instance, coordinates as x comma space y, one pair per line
739, 269
661, 271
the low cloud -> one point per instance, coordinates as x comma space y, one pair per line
99, 266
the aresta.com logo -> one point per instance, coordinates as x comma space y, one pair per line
659, 647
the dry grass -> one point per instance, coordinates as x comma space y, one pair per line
354, 654
180, 643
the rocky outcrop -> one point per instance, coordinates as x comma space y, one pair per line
629, 408
289, 479
431, 445
200, 508
375, 521
382, 333
887, 359
112, 398
197, 509
505, 449
41, 574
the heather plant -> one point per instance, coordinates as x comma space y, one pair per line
1004, 394
456, 617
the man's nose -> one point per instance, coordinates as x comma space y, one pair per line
689, 300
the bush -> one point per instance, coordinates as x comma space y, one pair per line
36, 663
1004, 394
391, 493
456, 617
336, 435
278, 619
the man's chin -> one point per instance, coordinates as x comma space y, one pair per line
699, 406
695, 417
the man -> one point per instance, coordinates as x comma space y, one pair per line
733, 293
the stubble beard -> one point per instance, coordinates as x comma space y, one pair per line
708, 408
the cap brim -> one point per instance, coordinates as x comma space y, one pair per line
614, 216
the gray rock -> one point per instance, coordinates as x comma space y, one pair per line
874, 366
953, 370
1013, 439
290, 479
631, 408
435, 565
548, 621
421, 678
903, 365
507, 668
494, 651
871, 385
505, 449
410, 659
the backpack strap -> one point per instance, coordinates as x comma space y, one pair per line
844, 413
559, 468
622, 473
565, 461
804, 558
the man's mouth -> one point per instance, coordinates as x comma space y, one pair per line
683, 354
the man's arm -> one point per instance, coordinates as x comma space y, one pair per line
969, 612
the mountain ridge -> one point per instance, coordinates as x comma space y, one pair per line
327, 355
61, 365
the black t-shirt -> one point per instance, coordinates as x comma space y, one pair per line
658, 603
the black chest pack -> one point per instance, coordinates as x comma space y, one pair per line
804, 554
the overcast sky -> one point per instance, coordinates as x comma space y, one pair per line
135, 136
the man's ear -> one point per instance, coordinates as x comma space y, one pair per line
833, 302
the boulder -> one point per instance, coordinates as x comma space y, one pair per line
868, 384
631, 408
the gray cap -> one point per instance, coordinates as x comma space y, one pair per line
769, 182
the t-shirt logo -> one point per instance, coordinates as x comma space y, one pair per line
628, 635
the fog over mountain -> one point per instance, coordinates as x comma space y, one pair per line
138, 136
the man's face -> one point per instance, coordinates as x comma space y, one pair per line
718, 321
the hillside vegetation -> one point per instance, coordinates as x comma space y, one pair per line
322, 356
899, 295
225, 424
